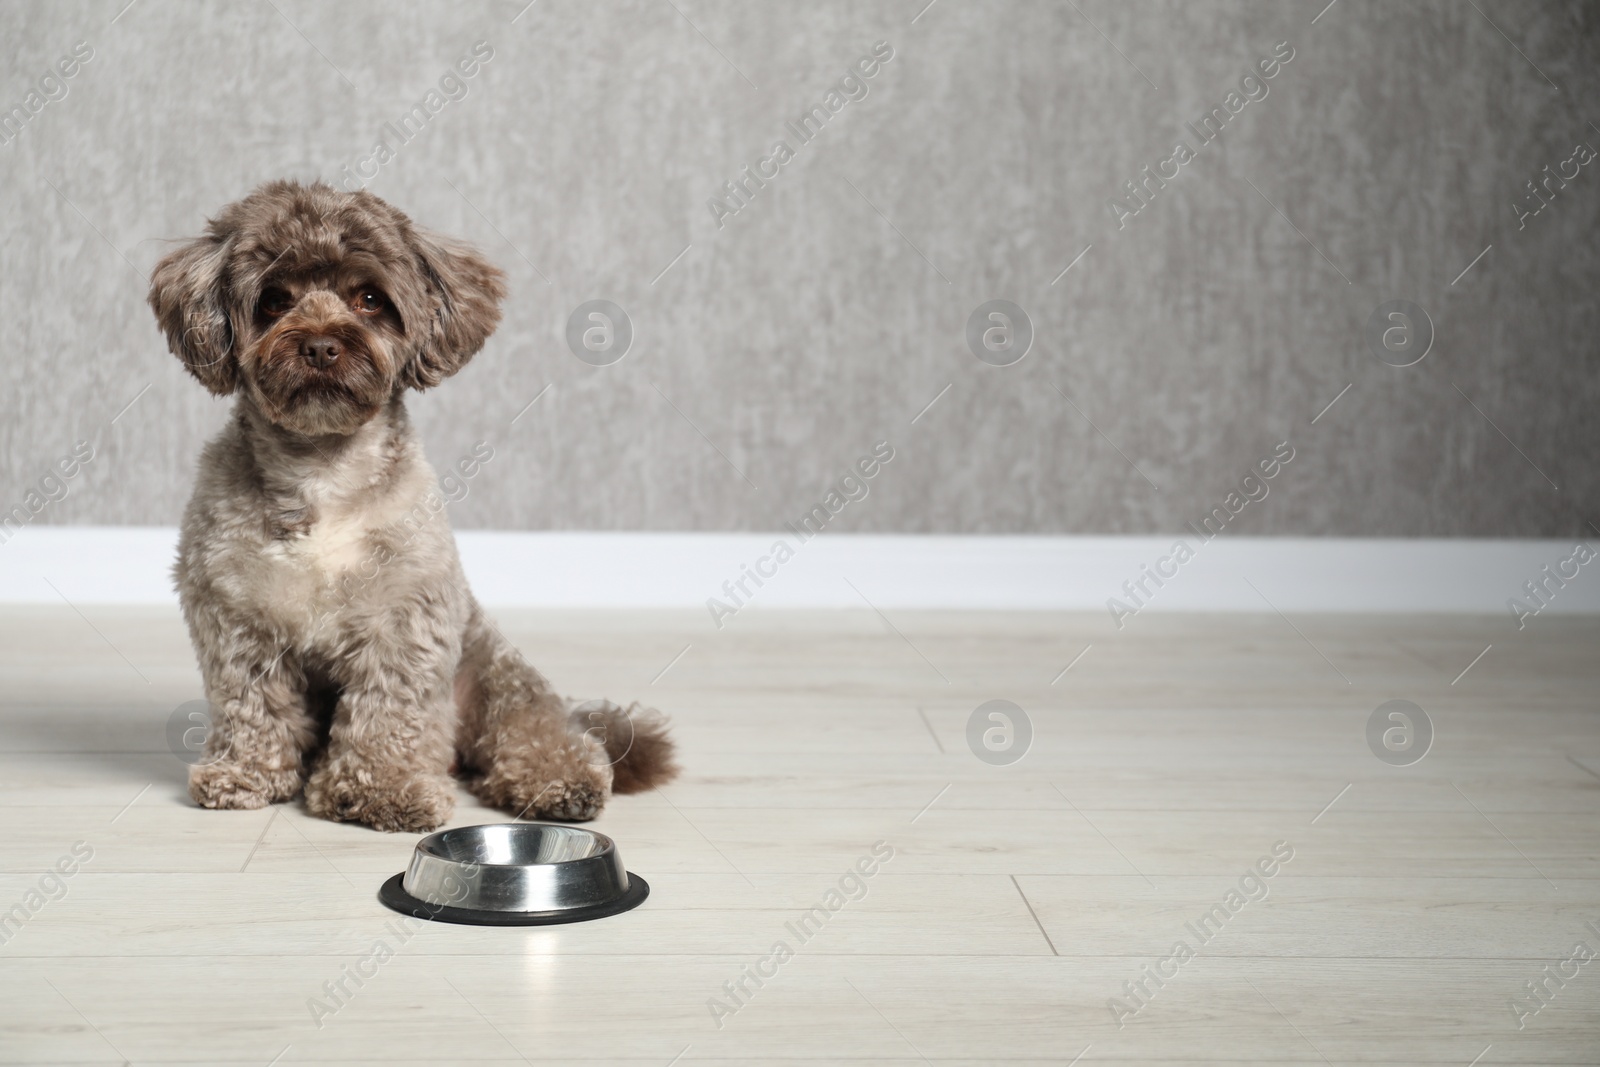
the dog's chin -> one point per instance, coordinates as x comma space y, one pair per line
319, 409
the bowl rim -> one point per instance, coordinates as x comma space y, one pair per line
607, 845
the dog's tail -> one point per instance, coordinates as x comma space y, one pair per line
530, 751
636, 742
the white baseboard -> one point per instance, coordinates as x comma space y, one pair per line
131, 565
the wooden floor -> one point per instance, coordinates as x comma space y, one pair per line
1020, 900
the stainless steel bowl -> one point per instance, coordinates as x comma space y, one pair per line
514, 874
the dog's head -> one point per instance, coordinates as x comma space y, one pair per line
321, 305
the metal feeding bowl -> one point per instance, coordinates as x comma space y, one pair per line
514, 874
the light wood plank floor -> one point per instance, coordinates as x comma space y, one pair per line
1419, 904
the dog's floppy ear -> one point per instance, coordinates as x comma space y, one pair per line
463, 291
187, 293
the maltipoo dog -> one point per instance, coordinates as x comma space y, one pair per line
341, 649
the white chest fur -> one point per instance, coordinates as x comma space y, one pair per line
316, 535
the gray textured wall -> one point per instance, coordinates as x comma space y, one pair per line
826, 314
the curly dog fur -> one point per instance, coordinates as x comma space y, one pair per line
342, 652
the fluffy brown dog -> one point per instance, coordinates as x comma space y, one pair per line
340, 648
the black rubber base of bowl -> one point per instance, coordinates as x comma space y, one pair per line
394, 895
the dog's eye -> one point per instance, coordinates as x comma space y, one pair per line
369, 301
275, 302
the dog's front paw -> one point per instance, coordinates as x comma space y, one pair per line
414, 803
225, 784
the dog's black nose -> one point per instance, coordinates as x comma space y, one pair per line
321, 352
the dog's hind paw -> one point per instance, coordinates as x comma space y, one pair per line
567, 800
